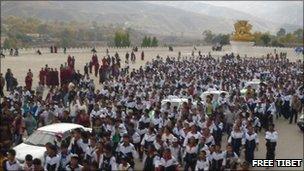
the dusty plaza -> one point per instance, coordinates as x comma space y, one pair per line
151, 85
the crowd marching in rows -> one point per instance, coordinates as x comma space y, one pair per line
130, 124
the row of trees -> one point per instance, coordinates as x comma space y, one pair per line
148, 42
122, 39
211, 38
21, 32
18, 32
281, 39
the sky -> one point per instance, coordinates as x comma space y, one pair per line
252, 6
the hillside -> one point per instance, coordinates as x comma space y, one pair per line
172, 19
288, 16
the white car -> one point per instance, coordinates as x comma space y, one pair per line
35, 143
254, 84
216, 94
174, 100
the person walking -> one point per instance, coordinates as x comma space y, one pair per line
271, 142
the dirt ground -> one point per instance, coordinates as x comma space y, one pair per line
290, 142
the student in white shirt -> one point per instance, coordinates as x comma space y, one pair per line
11, 164
235, 139
202, 163
271, 142
107, 161
52, 160
230, 158
251, 141
217, 158
167, 162
74, 164
190, 155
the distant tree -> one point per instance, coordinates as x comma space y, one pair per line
149, 42
118, 39
144, 42
154, 42
67, 38
43, 29
122, 39
6, 44
289, 39
257, 38
275, 42
208, 36
9, 43
266, 39
299, 36
223, 39
126, 40
281, 32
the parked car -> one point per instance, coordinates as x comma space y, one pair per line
216, 94
254, 84
300, 122
174, 100
35, 143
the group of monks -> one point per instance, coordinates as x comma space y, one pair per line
49, 76
108, 67
94, 63
53, 49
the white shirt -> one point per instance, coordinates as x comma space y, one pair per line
175, 151
202, 165
148, 137
52, 161
166, 137
217, 156
272, 136
94, 113
251, 137
112, 162
127, 149
13, 166
191, 150
196, 135
136, 138
168, 163
235, 135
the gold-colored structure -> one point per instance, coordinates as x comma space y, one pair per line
242, 31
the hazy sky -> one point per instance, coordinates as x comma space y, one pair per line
251, 6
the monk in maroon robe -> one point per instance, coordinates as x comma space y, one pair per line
56, 81
94, 59
28, 82
96, 67
42, 76
61, 75
142, 55
104, 61
69, 60
47, 77
73, 62
52, 79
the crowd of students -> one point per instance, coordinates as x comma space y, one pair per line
130, 122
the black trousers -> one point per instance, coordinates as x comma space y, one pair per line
249, 150
294, 114
1, 92
270, 146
